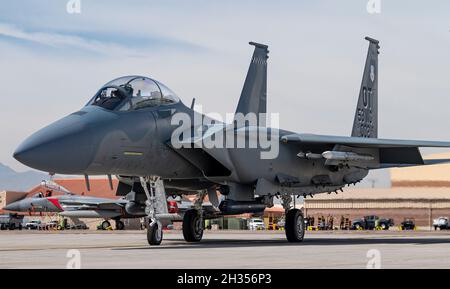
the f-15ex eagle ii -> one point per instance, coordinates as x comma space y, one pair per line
137, 129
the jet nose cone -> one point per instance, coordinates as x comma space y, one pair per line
62, 147
22, 153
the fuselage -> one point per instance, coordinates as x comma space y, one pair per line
98, 140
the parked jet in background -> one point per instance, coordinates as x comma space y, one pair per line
76, 206
127, 130
73, 206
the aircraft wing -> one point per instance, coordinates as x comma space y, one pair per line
362, 142
392, 152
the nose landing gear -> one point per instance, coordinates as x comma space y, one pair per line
154, 233
154, 195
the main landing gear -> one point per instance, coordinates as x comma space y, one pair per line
120, 225
106, 225
295, 223
294, 226
192, 226
193, 223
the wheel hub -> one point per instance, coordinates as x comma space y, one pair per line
300, 226
198, 228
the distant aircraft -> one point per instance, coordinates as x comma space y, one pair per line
75, 206
127, 129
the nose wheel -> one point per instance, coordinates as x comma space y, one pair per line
154, 233
294, 226
156, 201
193, 226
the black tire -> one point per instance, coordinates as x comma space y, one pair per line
120, 225
154, 234
12, 227
294, 226
192, 226
105, 225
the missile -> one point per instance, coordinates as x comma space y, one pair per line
346, 156
309, 156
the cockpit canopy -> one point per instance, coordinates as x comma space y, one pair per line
133, 93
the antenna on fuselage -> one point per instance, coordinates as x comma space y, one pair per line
110, 182
88, 185
193, 103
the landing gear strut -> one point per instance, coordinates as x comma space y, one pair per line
154, 227
193, 224
154, 233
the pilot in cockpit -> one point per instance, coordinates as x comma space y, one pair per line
111, 101
130, 93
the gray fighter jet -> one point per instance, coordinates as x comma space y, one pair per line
131, 128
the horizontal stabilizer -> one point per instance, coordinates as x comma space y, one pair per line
437, 162
425, 163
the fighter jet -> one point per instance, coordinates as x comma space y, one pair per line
134, 128
75, 206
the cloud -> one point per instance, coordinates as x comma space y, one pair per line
317, 53
103, 44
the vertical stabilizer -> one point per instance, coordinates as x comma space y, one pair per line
366, 116
254, 93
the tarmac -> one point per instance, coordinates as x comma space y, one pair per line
225, 249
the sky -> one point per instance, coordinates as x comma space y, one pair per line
52, 61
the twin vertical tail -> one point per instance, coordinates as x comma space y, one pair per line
366, 116
254, 93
